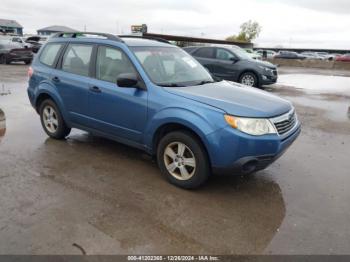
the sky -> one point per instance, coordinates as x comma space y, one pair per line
287, 23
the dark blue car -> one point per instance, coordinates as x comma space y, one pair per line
154, 96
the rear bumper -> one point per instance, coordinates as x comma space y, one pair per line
31, 97
246, 154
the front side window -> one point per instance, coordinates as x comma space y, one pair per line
223, 54
112, 62
76, 59
49, 54
171, 66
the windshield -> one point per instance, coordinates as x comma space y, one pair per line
171, 66
241, 53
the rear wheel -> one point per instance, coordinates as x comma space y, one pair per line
52, 120
183, 160
27, 62
249, 79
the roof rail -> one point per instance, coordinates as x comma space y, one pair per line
146, 37
76, 34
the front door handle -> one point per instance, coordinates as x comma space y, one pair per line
95, 89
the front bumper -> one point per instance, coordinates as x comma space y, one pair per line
237, 153
19, 56
268, 79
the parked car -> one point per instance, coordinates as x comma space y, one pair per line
343, 58
289, 55
253, 54
36, 42
13, 50
269, 53
235, 65
313, 56
323, 54
154, 96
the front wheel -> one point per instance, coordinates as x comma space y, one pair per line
52, 120
249, 79
183, 160
3, 59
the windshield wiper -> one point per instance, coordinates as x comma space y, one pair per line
205, 82
170, 85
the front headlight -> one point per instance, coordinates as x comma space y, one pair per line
266, 69
251, 126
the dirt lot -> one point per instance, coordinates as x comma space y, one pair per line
88, 194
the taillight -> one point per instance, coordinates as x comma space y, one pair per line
30, 72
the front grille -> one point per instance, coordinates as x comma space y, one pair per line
285, 123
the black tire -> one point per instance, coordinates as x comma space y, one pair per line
201, 171
249, 75
61, 129
3, 59
27, 62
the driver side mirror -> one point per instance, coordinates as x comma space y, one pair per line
234, 59
128, 80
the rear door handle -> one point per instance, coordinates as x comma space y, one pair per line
55, 79
95, 89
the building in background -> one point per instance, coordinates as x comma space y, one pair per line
10, 27
54, 29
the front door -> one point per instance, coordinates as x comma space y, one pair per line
118, 111
225, 65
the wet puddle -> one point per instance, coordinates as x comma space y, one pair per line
317, 83
329, 93
335, 110
2, 124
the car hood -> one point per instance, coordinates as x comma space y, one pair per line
261, 63
265, 63
235, 99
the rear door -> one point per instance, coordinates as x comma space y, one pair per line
115, 110
205, 56
72, 80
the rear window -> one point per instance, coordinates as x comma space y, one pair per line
49, 54
77, 59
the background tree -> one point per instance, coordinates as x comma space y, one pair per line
249, 31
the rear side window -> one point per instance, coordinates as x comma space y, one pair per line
111, 63
205, 52
49, 54
76, 59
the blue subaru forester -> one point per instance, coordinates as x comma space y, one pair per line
154, 96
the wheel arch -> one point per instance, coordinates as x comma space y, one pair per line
167, 128
42, 97
44, 92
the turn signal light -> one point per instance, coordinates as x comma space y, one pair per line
231, 121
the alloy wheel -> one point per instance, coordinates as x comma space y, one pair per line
50, 119
180, 161
248, 80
